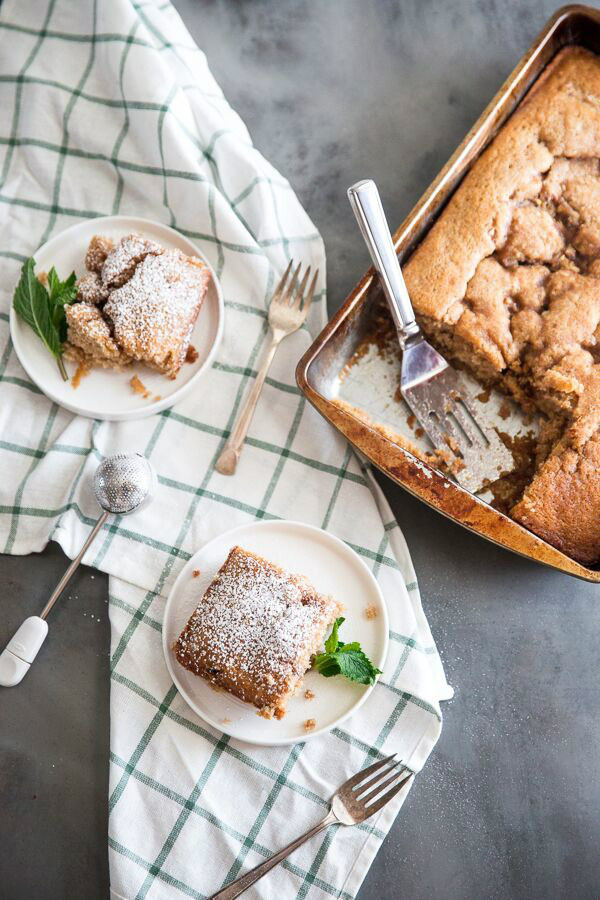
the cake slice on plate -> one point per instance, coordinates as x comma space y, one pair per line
255, 631
138, 302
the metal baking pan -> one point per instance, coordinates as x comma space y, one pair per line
319, 371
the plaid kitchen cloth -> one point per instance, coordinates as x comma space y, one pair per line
109, 107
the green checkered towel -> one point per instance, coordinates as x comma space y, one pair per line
110, 108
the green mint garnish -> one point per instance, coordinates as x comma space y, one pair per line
44, 309
345, 659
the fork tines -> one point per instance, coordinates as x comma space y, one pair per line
292, 293
389, 773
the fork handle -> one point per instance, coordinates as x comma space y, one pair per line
237, 887
228, 460
366, 204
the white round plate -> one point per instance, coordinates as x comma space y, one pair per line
106, 393
333, 568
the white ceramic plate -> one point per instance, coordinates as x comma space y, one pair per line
106, 393
333, 568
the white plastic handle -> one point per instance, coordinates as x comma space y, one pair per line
21, 650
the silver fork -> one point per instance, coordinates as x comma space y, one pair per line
435, 392
287, 311
356, 800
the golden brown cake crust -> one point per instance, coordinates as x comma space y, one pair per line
508, 282
561, 503
255, 630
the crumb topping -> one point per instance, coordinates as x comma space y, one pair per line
310, 724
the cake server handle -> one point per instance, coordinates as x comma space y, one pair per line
366, 205
237, 887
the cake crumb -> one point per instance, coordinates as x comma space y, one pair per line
371, 611
157, 397
225, 721
195, 573
138, 386
191, 355
309, 695
80, 372
504, 411
309, 724
419, 432
411, 420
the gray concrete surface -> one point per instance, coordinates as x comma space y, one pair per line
507, 808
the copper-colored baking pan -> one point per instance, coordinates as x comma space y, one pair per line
318, 370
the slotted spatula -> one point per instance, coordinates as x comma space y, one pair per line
433, 390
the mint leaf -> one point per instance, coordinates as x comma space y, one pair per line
326, 664
61, 293
331, 643
345, 659
44, 310
357, 666
32, 303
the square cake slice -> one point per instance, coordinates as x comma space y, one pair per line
153, 313
255, 631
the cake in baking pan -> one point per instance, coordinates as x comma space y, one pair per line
507, 284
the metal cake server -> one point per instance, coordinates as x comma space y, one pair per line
433, 390
123, 483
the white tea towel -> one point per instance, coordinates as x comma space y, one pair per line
110, 108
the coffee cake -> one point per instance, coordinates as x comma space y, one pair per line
255, 631
507, 284
138, 302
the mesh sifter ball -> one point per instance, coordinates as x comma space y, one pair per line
123, 482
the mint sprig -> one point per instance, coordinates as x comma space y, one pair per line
44, 310
61, 293
349, 660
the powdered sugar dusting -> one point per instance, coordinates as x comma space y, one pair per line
147, 299
120, 263
91, 289
255, 630
154, 312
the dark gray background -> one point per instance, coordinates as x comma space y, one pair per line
507, 807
